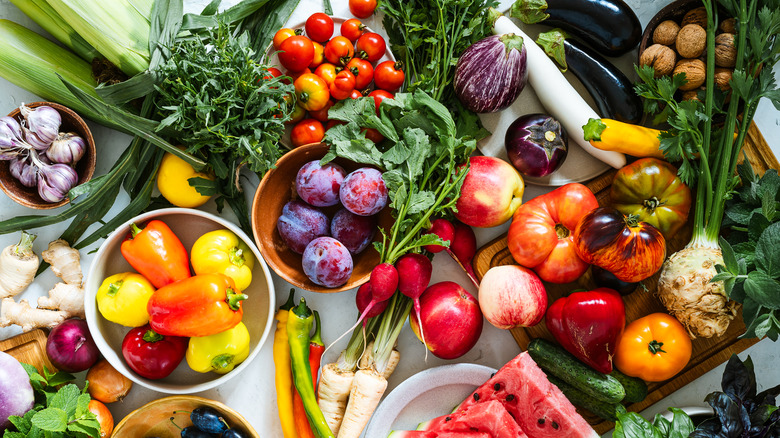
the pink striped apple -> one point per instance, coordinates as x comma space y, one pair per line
491, 192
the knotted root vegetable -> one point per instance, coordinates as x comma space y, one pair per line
67, 298
18, 264
64, 261
28, 317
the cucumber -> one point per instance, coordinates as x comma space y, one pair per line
568, 368
636, 389
607, 411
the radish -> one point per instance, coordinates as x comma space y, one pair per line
463, 247
363, 300
415, 274
445, 230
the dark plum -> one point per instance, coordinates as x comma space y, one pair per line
327, 262
208, 420
354, 231
194, 432
300, 223
363, 192
234, 433
319, 185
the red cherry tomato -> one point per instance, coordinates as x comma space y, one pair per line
332, 123
373, 135
311, 91
371, 46
327, 72
379, 96
355, 94
295, 75
389, 76
307, 131
322, 114
339, 50
319, 27
297, 52
343, 86
275, 72
297, 115
362, 8
283, 34
363, 71
319, 55
352, 29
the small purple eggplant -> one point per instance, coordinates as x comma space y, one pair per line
536, 144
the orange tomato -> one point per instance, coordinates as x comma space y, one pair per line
343, 85
311, 91
283, 34
104, 417
307, 131
654, 348
319, 55
327, 72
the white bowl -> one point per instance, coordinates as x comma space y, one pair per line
188, 225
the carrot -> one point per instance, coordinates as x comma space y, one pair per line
368, 386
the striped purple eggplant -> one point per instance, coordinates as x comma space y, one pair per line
491, 73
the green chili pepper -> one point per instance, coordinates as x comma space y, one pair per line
299, 324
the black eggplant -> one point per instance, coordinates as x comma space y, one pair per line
609, 87
609, 26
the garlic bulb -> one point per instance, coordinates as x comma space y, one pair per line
54, 180
22, 169
67, 148
42, 124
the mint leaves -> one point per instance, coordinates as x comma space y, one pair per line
632, 425
58, 413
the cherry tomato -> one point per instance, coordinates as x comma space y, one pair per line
355, 94
371, 46
275, 73
373, 135
332, 123
362, 8
389, 76
294, 75
322, 114
352, 29
343, 86
363, 71
339, 50
379, 96
311, 91
297, 115
307, 131
327, 72
297, 52
283, 34
319, 55
319, 27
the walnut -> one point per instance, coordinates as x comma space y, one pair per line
660, 57
695, 72
722, 78
728, 25
691, 41
725, 50
696, 16
691, 94
666, 33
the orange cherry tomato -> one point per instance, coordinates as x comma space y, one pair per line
389, 76
319, 55
339, 50
319, 27
307, 131
654, 348
371, 46
283, 34
297, 52
343, 86
363, 71
297, 115
327, 72
311, 91
362, 8
322, 114
352, 29
379, 96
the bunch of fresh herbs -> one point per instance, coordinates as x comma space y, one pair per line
60, 410
632, 425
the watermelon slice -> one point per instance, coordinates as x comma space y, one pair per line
491, 417
435, 434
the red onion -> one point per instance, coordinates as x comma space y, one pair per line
70, 346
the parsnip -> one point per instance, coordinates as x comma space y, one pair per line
368, 358
18, 265
64, 261
27, 317
368, 386
334, 388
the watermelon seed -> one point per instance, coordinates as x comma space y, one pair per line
554, 425
447, 419
492, 375
510, 397
497, 386
476, 397
540, 421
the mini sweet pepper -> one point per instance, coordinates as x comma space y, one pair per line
122, 299
219, 353
156, 253
223, 252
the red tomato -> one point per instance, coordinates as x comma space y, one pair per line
352, 29
373, 135
332, 123
339, 50
389, 76
319, 27
297, 115
307, 131
355, 94
363, 71
343, 86
283, 34
311, 91
371, 46
379, 96
541, 234
275, 73
362, 8
319, 55
297, 52
295, 75
322, 114
327, 72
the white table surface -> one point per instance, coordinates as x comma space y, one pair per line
252, 392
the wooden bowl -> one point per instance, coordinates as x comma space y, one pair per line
154, 418
274, 191
28, 196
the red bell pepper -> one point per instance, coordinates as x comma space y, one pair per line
202, 305
151, 354
589, 325
156, 253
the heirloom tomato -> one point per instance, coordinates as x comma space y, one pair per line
389, 76
363, 71
651, 189
343, 85
319, 27
362, 8
312, 92
339, 50
371, 46
307, 131
352, 29
540, 236
654, 348
297, 52
624, 246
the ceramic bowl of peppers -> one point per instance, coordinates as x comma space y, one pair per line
165, 417
179, 300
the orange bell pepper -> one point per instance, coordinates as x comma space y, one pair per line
156, 253
654, 348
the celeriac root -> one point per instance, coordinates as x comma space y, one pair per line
28, 317
64, 261
18, 265
334, 388
368, 386
67, 298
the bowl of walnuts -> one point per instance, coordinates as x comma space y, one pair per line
675, 41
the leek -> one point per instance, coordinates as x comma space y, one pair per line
32, 62
46, 17
118, 29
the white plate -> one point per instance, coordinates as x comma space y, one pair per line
425, 396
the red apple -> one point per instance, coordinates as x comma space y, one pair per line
512, 296
491, 192
451, 320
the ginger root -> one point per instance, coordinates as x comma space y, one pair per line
28, 317
67, 298
64, 261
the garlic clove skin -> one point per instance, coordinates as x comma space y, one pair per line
55, 181
9, 126
42, 125
33, 140
67, 148
24, 171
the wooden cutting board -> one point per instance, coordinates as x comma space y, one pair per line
707, 353
29, 348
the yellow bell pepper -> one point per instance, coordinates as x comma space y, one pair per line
219, 353
222, 252
173, 182
122, 299
612, 135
